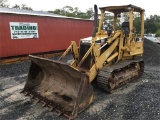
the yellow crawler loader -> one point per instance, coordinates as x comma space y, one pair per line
110, 57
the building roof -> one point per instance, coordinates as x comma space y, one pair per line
31, 12
27, 12
123, 8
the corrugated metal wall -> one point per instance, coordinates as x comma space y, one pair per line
54, 34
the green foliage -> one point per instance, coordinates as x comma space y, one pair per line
152, 24
158, 33
3, 3
16, 6
137, 24
73, 12
25, 7
125, 16
108, 21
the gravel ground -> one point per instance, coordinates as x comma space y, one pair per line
138, 100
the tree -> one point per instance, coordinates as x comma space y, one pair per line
125, 16
56, 11
137, 24
158, 33
16, 6
3, 3
76, 11
152, 24
25, 7
73, 12
89, 13
68, 10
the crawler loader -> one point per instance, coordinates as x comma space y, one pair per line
111, 57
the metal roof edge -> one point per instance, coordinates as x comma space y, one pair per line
41, 14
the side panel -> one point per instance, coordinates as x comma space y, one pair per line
54, 34
136, 48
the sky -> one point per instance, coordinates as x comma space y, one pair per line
151, 6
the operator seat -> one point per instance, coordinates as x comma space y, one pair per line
125, 27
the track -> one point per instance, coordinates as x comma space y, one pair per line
122, 73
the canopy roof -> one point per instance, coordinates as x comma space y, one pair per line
123, 8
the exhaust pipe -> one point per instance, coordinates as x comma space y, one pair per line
95, 21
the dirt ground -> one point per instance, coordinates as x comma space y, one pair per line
137, 100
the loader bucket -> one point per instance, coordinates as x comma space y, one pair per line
59, 86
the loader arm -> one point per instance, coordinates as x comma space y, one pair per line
104, 58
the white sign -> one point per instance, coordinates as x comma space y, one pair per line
21, 30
